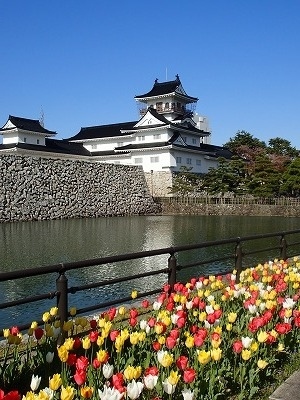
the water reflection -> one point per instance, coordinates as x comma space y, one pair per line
33, 244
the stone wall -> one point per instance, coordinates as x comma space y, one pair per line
34, 188
159, 183
230, 209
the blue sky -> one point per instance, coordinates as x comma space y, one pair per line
82, 62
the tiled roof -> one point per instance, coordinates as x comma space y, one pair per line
52, 146
101, 131
32, 125
163, 88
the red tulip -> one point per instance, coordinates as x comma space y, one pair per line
38, 333
189, 375
156, 346
93, 336
182, 362
113, 334
71, 360
93, 323
80, 376
237, 346
82, 363
12, 395
283, 328
151, 371
171, 342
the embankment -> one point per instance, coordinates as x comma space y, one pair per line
34, 188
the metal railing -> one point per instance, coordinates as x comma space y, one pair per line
62, 290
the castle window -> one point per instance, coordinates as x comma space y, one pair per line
154, 159
198, 162
194, 141
120, 144
189, 161
25, 140
159, 106
178, 160
138, 160
37, 141
157, 136
167, 106
94, 146
141, 138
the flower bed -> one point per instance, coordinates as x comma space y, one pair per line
207, 339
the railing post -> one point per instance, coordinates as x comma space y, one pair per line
172, 266
283, 248
62, 301
238, 259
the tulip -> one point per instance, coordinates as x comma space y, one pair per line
107, 370
134, 294
189, 375
49, 357
134, 389
204, 357
168, 387
187, 394
246, 341
67, 393
35, 382
73, 311
55, 382
262, 364
109, 394
150, 381
86, 392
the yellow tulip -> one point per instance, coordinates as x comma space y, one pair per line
69, 343
204, 357
100, 341
86, 343
6, 333
173, 378
216, 354
53, 311
73, 311
68, 325
63, 353
229, 327
246, 354
67, 393
86, 392
46, 316
232, 316
42, 395
55, 382
134, 294
161, 340
189, 342
102, 356
122, 310
262, 336
34, 325
262, 364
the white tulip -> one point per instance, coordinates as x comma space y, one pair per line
168, 387
109, 394
150, 381
246, 341
107, 370
49, 357
187, 394
35, 382
134, 389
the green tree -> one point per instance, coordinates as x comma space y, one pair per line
290, 185
185, 182
229, 176
244, 138
265, 180
282, 147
